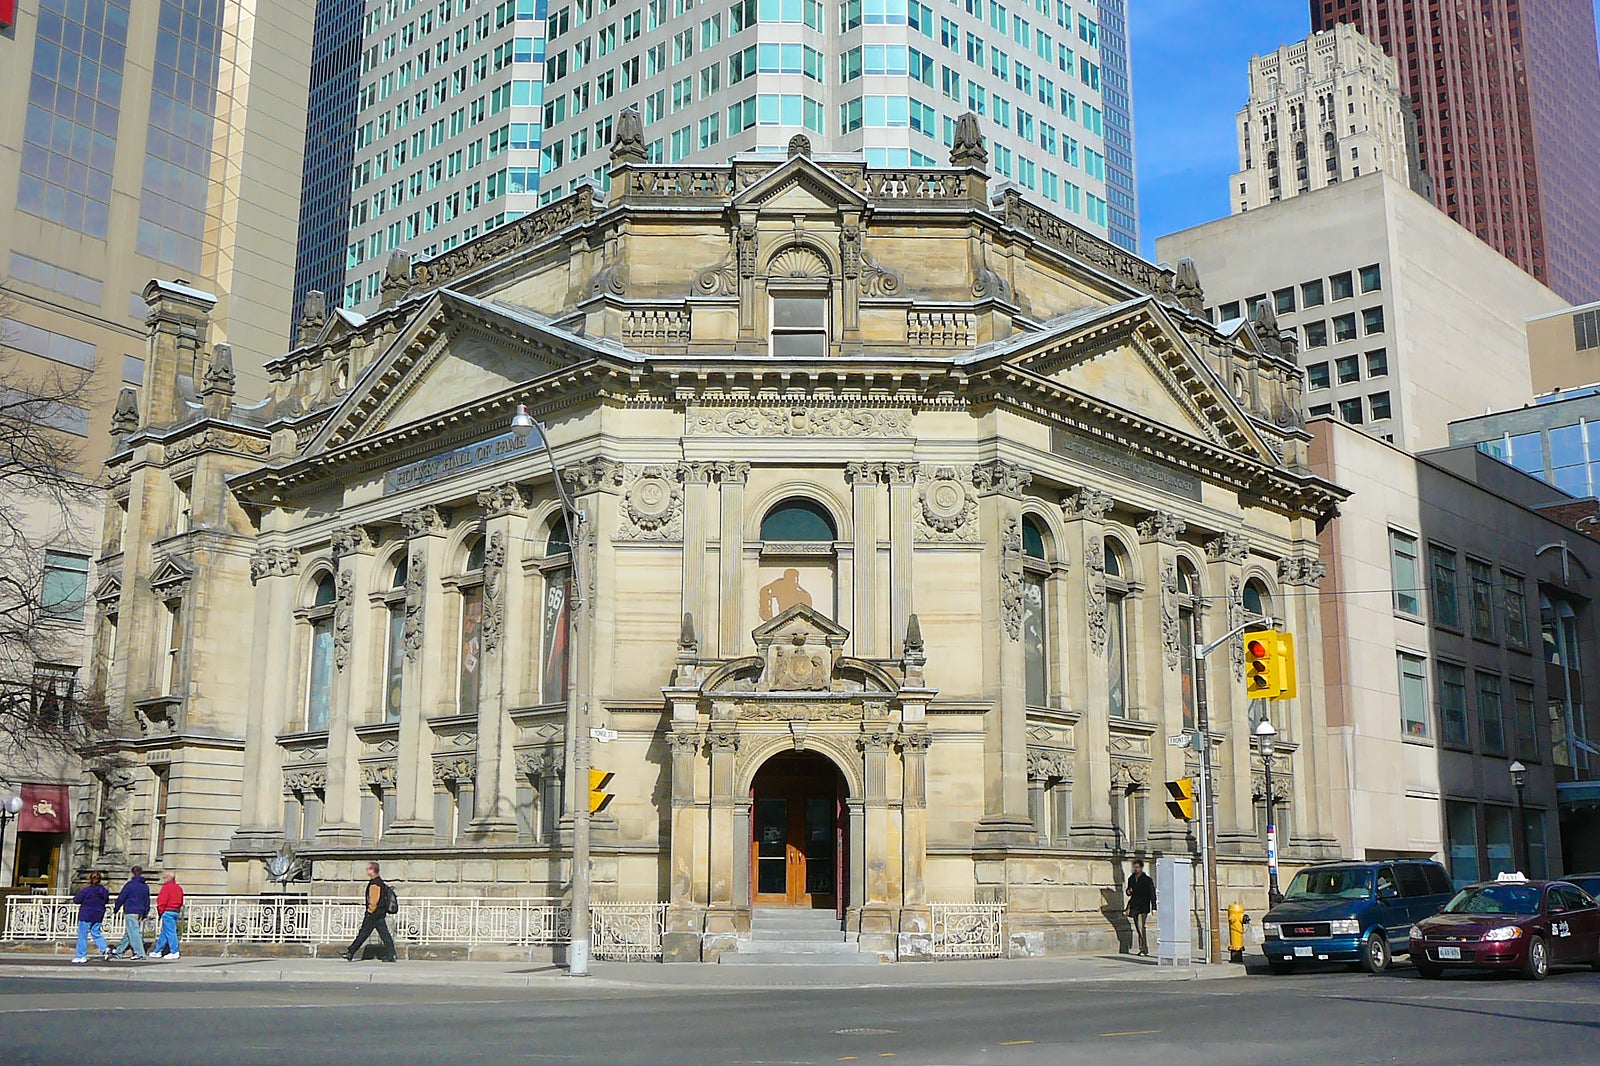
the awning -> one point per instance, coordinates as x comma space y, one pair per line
1577, 795
44, 809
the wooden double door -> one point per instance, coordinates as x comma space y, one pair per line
798, 820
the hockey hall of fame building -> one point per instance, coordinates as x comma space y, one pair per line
903, 509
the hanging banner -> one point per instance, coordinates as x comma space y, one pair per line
44, 809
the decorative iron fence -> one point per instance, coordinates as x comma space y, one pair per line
969, 930
626, 930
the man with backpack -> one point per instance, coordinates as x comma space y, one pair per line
381, 902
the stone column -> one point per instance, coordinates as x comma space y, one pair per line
727, 906
916, 917
354, 684
902, 479
1309, 820
863, 481
1000, 486
261, 800
504, 642
696, 478
1160, 656
1088, 670
685, 908
732, 633
420, 687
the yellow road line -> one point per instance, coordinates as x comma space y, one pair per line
1133, 1032
1014, 1043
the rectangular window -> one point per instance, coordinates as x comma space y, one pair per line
158, 813
1311, 294
1413, 696
1377, 363
1445, 600
1350, 410
1378, 402
1403, 572
1371, 278
1316, 334
1497, 841
471, 650
1344, 329
1283, 301
1461, 827
1524, 740
1480, 580
169, 670
799, 325
65, 591
1516, 611
1348, 367
553, 669
1452, 704
1372, 320
1586, 330
1491, 716
1340, 286
394, 662
1317, 376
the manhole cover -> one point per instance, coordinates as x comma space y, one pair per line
865, 1032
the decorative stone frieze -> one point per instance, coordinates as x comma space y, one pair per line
456, 768
1049, 764
378, 774
799, 422
305, 779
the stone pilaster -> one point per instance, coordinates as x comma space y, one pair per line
696, 478
353, 549
863, 479
1309, 823
902, 480
733, 634
273, 570
916, 917
423, 689
1230, 709
686, 900
505, 630
1088, 669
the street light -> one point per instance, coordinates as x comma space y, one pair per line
524, 426
1264, 740
1519, 778
8, 810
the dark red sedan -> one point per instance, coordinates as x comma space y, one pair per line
1510, 924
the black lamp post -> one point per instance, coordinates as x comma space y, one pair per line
1519, 778
1264, 741
8, 810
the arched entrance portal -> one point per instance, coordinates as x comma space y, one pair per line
798, 823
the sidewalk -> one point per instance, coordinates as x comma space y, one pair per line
618, 976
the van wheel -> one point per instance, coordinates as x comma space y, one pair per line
1279, 967
1375, 957
1538, 964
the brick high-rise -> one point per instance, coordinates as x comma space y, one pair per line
1507, 94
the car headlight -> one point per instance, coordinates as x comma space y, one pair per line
1344, 927
1416, 932
1272, 929
1505, 932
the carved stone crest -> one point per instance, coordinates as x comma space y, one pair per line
652, 506
801, 667
947, 510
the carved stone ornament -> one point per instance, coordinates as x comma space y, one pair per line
170, 578
378, 774
219, 440
592, 474
652, 506
875, 741
723, 741
916, 743
947, 510
344, 615
1282, 788
1171, 639
720, 279
878, 280
788, 711
1049, 764
800, 145
504, 498
454, 769
1094, 561
999, 476
1129, 775
1228, 548
1235, 619
416, 580
685, 743
274, 562
1162, 526
396, 278
425, 521
746, 243
494, 600
850, 249
966, 144
1011, 593
1091, 504
627, 137
800, 422
610, 280
1301, 570
309, 779
534, 765
354, 540
800, 666
1186, 286
988, 284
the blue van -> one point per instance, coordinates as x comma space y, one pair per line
1353, 911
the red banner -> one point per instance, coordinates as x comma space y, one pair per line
8, 13
44, 807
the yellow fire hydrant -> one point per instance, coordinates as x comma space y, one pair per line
1237, 919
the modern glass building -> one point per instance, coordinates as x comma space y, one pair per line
1556, 440
472, 113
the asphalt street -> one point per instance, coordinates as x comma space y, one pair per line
1316, 1018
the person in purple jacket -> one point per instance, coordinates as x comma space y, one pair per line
134, 903
92, 900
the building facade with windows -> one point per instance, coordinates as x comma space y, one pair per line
1551, 440
1458, 626
903, 510
472, 114
1404, 321
1322, 110
1564, 348
1507, 105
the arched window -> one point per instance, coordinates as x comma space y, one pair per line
469, 655
1116, 629
319, 673
556, 617
1257, 600
1035, 632
798, 520
1189, 637
798, 564
394, 631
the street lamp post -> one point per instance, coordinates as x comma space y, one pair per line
1264, 740
1519, 778
524, 426
8, 810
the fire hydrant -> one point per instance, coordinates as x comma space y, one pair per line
1237, 920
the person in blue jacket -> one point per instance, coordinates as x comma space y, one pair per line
133, 902
92, 900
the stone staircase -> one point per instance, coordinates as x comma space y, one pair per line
783, 937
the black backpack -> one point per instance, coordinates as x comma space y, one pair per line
388, 899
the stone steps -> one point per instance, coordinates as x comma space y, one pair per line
780, 937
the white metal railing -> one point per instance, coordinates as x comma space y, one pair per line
969, 930
619, 930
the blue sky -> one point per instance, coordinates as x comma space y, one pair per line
1189, 64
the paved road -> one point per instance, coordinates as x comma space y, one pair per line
1331, 1018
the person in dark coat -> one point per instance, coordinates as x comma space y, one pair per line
1141, 901
133, 902
375, 918
92, 900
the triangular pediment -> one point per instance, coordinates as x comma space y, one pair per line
800, 621
799, 186
109, 587
169, 573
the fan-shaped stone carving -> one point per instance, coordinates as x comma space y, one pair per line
797, 263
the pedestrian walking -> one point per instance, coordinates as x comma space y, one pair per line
92, 900
133, 903
1141, 901
169, 901
379, 899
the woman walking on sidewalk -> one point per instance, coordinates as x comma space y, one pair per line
169, 901
91, 900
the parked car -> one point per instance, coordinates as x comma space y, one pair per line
1351, 911
1510, 924
1590, 883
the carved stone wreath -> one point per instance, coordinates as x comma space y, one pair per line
652, 507
947, 510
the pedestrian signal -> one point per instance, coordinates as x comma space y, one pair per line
1269, 670
1181, 803
599, 798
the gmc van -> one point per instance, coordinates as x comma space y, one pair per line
1356, 912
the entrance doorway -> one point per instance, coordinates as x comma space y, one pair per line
798, 821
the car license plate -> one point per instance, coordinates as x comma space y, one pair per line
1450, 953
1302, 953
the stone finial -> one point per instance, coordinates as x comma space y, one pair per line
1186, 286
125, 418
313, 316
915, 657
800, 145
1265, 321
627, 137
219, 375
686, 638
396, 278
966, 147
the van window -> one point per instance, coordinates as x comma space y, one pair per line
1342, 882
1438, 881
1413, 882
1386, 880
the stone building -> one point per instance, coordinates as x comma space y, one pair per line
902, 512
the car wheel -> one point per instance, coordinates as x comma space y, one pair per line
1430, 970
1375, 957
1278, 966
1538, 964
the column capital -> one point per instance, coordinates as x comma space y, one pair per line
858, 472
429, 521
1301, 570
1164, 527
273, 562
592, 474
504, 498
354, 540
1228, 548
997, 476
1089, 503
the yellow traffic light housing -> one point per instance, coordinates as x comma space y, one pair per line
599, 798
1269, 669
1181, 803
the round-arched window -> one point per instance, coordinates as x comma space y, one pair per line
1113, 560
324, 593
798, 519
1188, 579
558, 542
402, 569
1032, 539
475, 555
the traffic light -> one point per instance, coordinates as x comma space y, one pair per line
1182, 802
1269, 671
599, 798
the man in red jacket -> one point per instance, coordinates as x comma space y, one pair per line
169, 901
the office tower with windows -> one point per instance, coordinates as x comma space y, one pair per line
473, 115
1507, 102
1321, 110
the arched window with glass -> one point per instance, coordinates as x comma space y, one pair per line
1116, 628
798, 562
319, 670
555, 625
1035, 622
394, 637
469, 649
1189, 603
